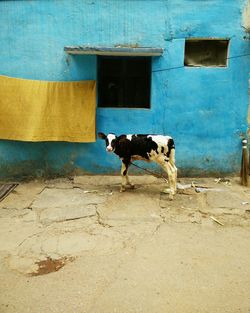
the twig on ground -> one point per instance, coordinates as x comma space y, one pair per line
214, 219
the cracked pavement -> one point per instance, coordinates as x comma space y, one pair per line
125, 252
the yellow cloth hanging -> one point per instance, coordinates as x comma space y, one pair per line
32, 110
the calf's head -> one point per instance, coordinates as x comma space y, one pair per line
110, 140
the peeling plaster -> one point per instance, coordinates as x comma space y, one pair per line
246, 16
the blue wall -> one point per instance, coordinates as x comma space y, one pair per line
204, 109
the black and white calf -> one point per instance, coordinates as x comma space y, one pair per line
156, 148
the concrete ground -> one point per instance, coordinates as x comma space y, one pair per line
79, 245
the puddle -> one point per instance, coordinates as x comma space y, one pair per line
49, 266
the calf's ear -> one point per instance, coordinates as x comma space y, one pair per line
102, 135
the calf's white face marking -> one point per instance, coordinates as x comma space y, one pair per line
110, 137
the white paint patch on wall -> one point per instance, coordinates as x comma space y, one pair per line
246, 16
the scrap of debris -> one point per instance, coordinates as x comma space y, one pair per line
90, 191
205, 189
193, 188
223, 180
6, 189
217, 221
106, 193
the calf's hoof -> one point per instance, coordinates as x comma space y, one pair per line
170, 194
166, 190
171, 197
122, 189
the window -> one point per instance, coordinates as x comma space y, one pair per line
124, 82
206, 52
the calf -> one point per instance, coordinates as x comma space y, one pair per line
157, 148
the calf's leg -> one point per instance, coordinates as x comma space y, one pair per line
173, 167
124, 174
171, 172
174, 171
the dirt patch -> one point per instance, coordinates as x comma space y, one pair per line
49, 266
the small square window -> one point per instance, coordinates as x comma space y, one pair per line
124, 82
206, 52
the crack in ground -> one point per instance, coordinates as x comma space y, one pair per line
33, 235
164, 220
43, 252
103, 224
74, 218
32, 202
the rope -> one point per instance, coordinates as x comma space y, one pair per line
146, 170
